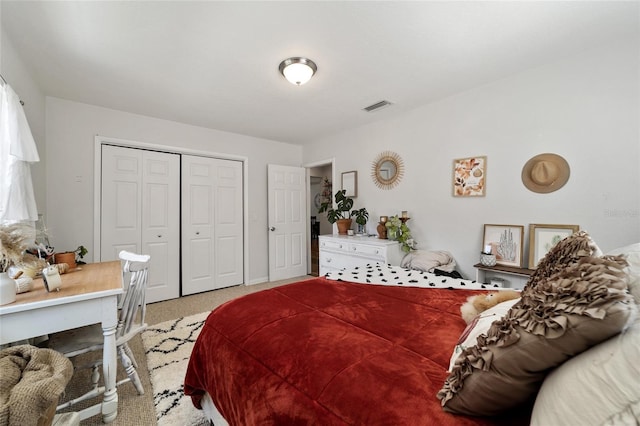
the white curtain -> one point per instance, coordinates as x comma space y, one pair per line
17, 152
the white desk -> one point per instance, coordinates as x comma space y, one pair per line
87, 296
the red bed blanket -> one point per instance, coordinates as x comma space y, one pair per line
331, 353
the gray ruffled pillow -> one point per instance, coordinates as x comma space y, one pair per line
563, 314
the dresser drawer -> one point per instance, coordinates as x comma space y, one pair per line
334, 245
334, 260
369, 251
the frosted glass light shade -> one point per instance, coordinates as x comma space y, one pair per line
298, 71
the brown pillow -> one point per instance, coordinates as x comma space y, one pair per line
563, 315
563, 254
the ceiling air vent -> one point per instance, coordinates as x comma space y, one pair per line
377, 106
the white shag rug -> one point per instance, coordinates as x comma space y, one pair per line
168, 346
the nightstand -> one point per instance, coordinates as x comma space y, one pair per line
517, 277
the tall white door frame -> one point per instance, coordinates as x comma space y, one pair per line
97, 173
332, 163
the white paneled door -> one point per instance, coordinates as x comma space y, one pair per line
140, 212
287, 222
212, 227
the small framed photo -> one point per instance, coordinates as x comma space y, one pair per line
350, 183
469, 177
505, 242
542, 238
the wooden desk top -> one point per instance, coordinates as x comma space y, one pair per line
87, 281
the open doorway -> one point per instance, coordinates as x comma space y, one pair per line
320, 190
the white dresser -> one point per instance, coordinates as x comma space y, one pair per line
343, 252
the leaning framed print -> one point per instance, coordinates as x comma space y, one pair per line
469, 177
505, 242
542, 238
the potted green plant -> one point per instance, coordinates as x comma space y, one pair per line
361, 215
341, 214
398, 230
72, 258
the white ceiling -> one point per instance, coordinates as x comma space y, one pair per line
215, 64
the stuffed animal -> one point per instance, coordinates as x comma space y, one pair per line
480, 303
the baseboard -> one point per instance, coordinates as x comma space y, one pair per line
261, 280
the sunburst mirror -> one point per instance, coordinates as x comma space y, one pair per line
387, 170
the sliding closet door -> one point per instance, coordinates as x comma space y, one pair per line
161, 223
140, 212
212, 229
121, 205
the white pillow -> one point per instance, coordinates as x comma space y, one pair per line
478, 326
600, 386
632, 254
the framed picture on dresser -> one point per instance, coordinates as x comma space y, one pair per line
505, 242
542, 238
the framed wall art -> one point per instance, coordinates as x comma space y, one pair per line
542, 238
469, 177
350, 183
505, 242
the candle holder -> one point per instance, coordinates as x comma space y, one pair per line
488, 259
382, 230
404, 219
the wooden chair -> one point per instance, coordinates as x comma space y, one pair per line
131, 316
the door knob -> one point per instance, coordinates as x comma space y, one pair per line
197, 232
272, 228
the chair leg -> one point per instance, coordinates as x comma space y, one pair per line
129, 353
95, 375
130, 369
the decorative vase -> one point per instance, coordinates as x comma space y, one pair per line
7, 289
343, 226
488, 259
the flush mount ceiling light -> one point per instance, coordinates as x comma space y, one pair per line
298, 70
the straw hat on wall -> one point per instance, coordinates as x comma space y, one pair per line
545, 173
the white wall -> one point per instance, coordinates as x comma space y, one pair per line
584, 108
71, 128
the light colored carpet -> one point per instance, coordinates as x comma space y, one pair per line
139, 410
168, 346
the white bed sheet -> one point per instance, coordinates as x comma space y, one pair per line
211, 411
